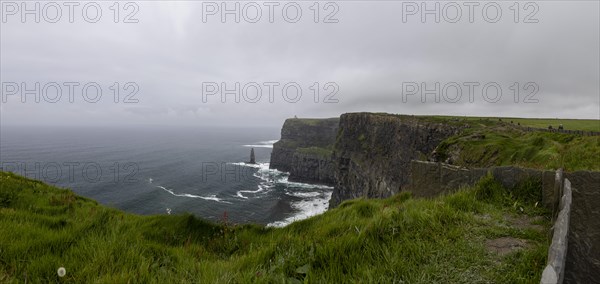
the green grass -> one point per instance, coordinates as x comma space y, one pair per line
399, 239
568, 124
312, 121
487, 143
287, 144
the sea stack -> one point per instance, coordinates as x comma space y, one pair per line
252, 159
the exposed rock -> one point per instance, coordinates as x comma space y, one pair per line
549, 276
373, 152
304, 149
583, 253
372, 158
252, 157
312, 168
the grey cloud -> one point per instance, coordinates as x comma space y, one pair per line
369, 53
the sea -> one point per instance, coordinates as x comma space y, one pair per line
166, 170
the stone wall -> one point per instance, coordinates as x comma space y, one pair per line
578, 223
557, 253
429, 179
583, 255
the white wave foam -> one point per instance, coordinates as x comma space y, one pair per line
247, 165
211, 197
150, 180
271, 177
305, 209
239, 194
302, 185
268, 177
315, 197
261, 188
276, 176
303, 194
263, 144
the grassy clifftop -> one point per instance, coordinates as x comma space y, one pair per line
490, 143
312, 121
447, 239
307, 132
568, 124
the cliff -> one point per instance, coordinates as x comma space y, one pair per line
373, 152
378, 155
305, 148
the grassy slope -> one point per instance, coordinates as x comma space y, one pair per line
400, 238
569, 124
313, 121
506, 144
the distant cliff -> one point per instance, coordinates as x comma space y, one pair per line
373, 152
305, 150
377, 155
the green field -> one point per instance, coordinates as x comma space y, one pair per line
568, 124
399, 239
312, 121
489, 143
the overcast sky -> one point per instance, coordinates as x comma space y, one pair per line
371, 57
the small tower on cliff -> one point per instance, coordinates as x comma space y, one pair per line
252, 158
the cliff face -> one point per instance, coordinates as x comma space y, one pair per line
304, 149
312, 168
373, 152
374, 157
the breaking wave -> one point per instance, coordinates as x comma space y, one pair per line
210, 197
313, 198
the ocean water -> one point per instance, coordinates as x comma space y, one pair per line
146, 170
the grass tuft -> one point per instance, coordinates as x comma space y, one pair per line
399, 239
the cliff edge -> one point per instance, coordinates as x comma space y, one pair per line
373, 152
305, 149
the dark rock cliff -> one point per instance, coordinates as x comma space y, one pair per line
583, 252
374, 155
373, 152
304, 150
312, 168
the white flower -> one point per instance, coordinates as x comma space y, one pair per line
61, 271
